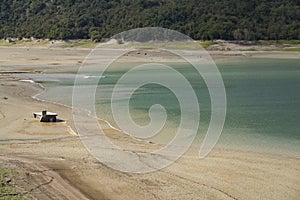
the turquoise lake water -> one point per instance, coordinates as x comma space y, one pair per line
263, 102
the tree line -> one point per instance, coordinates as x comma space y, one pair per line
199, 19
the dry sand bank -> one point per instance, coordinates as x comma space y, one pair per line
53, 151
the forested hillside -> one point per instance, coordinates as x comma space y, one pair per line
200, 19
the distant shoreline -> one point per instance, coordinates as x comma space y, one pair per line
211, 45
217, 49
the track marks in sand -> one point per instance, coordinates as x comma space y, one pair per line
2, 116
35, 181
188, 178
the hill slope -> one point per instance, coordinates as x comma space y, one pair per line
200, 19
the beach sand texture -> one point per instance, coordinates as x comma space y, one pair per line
53, 163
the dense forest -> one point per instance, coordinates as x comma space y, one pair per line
200, 19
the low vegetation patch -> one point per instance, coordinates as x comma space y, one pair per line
6, 185
279, 43
206, 44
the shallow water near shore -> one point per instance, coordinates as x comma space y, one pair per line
263, 102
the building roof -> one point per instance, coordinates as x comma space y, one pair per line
48, 113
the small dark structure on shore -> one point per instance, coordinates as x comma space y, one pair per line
45, 116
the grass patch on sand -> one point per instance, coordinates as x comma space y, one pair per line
185, 45
283, 45
80, 44
4, 43
206, 44
279, 43
88, 45
292, 49
6, 184
26, 43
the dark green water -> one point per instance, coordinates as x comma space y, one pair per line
263, 102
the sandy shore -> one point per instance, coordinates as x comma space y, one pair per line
51, 159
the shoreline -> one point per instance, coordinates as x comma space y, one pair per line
220, 48
73, 130
224, 174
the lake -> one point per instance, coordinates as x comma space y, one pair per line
263, 101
